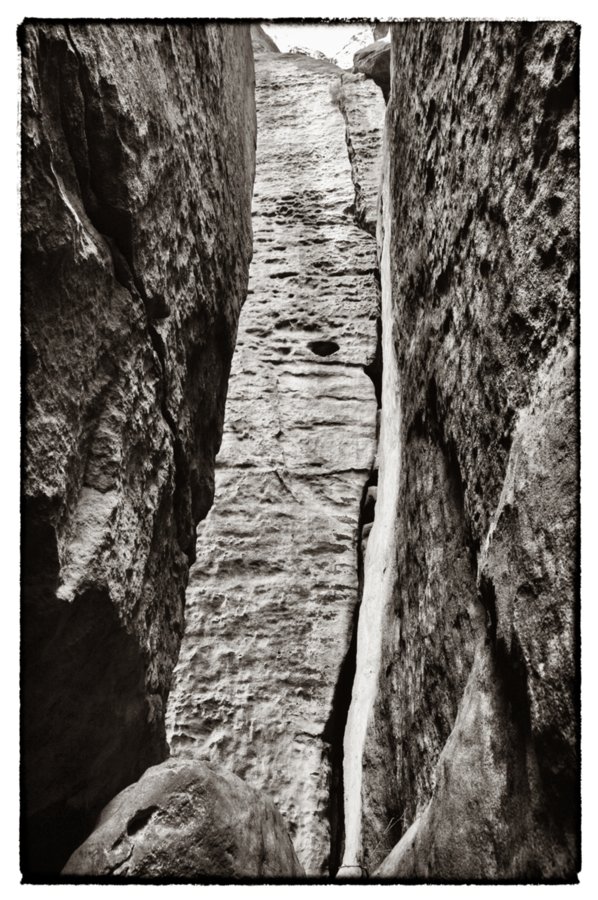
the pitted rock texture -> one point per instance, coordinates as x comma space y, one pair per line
186, 820
471, 744
138, 160
272, 595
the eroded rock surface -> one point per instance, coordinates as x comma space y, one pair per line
361, 38
261, 681
470, 744
363, 108
261, 41
380, 30
138, 162
374, 62
503, 796
187, 819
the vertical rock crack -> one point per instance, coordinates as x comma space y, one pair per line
337, 721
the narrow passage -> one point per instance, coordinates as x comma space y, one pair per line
272, 596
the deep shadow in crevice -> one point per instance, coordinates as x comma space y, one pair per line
87, 736
334, 730
333, 735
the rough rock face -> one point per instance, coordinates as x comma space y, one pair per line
138, 159
361, 38
264, 671
363, 109
380, 30
262, 42
374, 62
186, 819
462, 734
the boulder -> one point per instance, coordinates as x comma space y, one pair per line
187, 819
374, 61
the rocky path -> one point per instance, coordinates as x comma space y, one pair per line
262, 681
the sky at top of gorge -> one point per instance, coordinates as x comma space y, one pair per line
329, 39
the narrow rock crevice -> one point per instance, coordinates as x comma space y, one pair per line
299, 442
337, 722
333, 735
334, 731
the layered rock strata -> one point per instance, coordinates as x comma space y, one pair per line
138, 161
183, 820
264, 674
462, 734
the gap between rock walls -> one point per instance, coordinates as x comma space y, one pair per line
334, 732
308, 334
368, 647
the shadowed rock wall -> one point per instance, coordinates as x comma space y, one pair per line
471, 742
138, 159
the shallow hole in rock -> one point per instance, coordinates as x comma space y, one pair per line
140, 819
323, 348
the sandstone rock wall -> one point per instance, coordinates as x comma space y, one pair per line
381, 614
470, 745
138, 161
263, 678
363, 109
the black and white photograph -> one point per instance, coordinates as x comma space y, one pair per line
300, 552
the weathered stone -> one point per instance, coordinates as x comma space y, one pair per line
379, 582
360, 39
462, 734
272, 596
374, 62
363, 108
309, 51
453, 545
261, 41
503, 798
380, 30
187, 819
138, 159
